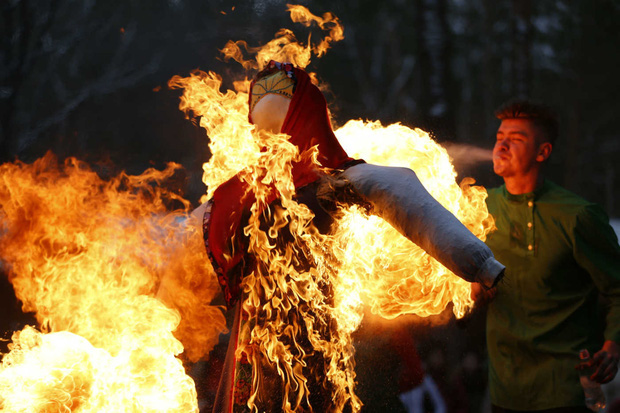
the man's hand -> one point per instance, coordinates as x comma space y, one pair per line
480, 294
606, 361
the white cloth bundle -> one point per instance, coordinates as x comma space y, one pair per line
398, 196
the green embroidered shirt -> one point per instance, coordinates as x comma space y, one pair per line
560, 252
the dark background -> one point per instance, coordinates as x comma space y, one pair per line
87, 78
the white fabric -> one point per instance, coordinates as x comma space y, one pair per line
413, 400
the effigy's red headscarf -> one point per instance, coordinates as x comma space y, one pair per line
307, 123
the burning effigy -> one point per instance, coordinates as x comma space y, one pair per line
303, 226
288, 230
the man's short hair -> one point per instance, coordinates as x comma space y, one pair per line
542, 116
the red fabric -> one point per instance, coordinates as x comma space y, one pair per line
223, 241
307, 123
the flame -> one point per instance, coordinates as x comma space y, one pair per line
287, 290
285, 47
328, 22
224, 116
89, 257
392, 275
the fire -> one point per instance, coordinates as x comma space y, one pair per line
285, 47
90, 258
224, 116
328, 22
393, 275
108, 270
286, 292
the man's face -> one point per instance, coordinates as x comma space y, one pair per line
516, 149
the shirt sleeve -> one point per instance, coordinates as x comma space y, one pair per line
596, 250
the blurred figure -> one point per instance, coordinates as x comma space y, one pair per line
415, 387
560, 252
391, 376
414, 400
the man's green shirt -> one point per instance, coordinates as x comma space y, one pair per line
560, 252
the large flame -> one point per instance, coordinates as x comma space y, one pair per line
393, 275
89, 257
289, 293
97, 260
224, 116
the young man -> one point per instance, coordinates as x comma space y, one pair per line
560, 252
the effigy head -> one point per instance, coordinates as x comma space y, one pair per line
283, 99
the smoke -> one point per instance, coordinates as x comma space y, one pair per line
465, 156
261, 6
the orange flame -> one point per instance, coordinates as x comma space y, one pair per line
89, 257
393, 275
300, 14
225, 119
285, 291
285, 47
